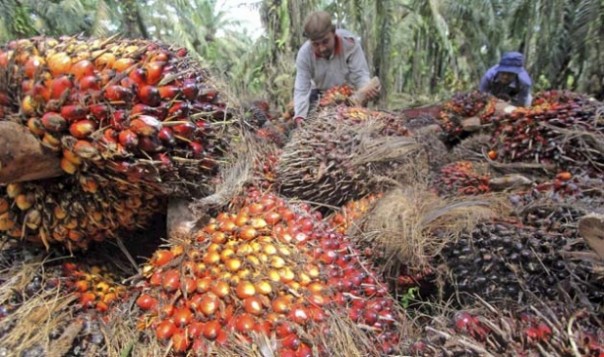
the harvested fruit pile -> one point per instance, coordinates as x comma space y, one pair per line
268, 268
558, 130
134, 123
130, 120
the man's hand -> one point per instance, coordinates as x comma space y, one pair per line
298, 121
373, 92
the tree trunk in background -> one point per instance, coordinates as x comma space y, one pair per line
381, 52
132, 20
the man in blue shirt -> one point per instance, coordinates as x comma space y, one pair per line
508, 80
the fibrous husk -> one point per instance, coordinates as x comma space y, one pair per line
331, 161
472, 148
409, 225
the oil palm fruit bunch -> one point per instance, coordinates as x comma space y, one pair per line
462, 177
267, 268
520, 331
501, 261
130, 120
462, 106
333, 161
560, 130
94, 285
74, 210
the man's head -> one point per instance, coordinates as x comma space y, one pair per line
506, 77
321, 32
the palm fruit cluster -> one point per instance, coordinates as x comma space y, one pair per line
502, 261
462, 106
333, 161
270, 268
94, 285
522, 331
560, 129
351, 212
131, 120
336, 95
393, 126
74, 210
462, 178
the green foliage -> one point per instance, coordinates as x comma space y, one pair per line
419, 48
409, 296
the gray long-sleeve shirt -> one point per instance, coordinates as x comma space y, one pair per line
346, 65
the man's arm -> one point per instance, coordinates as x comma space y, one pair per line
524, 98
302, 85
357, 65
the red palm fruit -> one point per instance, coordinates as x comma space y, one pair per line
31, 66
54, 122
149, 95
154, 72
117, 93
4, 59
182, 316
145, 125
245, 323
169, 92
212, 329
35, 126
195, 329
185, 130
68, 166
162, 257
196, 149
150, 144
166, 135
181, 52
209, 304
105, 60
128, 83
41, 92
106, 76
180, 341
81, 129
165, 330
171, 280
59, 85
159, 55
99, 111
118, 119
179, 109
59, 63
146, 302
73, 112
82, 69
85, 149
128, 139
92, 82
26, 86
123, 64
190, 89
208, 95
164, 159
139, 76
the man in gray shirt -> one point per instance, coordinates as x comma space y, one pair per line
329, 58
